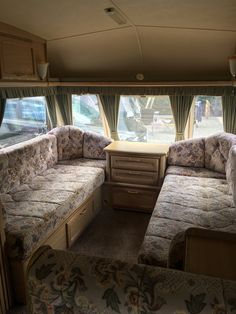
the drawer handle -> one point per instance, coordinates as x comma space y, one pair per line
133, 192
134, 172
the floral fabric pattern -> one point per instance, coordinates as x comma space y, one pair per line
217, 150
188, 153
94, 145
22, 162
69, 142
194, 172
186, 202
35, 209
231, 171
64, 282
85, 162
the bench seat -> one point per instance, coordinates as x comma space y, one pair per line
186, 202
35, 209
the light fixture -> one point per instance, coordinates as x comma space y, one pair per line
115, 15
232, 65
140, 76
42, 70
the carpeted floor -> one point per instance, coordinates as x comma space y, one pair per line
115, 234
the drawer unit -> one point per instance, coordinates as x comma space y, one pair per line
78, 222
136, 163
133, 198
134, 173
132, 176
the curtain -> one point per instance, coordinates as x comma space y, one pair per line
180, 106
21, 92
110, 105
147, 90
65, 106
51, 110
229, 113
2, 109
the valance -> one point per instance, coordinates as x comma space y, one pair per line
20, 92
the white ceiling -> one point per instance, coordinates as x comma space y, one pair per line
166, 40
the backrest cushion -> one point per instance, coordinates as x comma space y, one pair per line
94, 145
189, 153
69, 142
21, 162
217, 150
231, 172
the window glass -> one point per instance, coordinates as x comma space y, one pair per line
24, 118
146, 119
86, 115
206, 116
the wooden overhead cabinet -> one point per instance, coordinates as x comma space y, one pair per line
17, 59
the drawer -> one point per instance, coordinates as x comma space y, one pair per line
132, 176
134, 198
78, 222
135, 163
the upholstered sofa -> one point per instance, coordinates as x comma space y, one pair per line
64, 282
50, 189
198, 191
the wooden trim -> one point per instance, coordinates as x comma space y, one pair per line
14, 32
57, 83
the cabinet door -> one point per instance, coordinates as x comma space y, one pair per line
17, 59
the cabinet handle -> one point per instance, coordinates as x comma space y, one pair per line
134, 172
133, 192
134, 159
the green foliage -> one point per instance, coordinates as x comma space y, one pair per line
112, 299
44, 271
196, 303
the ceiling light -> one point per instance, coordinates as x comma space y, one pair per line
232, 65
115, 15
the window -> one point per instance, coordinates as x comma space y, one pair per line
86, 114
146, 119
24, 118
206, 116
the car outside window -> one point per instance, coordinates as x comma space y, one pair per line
24, 118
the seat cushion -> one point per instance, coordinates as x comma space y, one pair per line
186, 202
194, 172
85, 162
33, 210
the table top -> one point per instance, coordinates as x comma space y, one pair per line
137, 148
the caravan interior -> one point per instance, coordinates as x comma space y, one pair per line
118, 156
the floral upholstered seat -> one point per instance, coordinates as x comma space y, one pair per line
44, 180
64, 282
195, 193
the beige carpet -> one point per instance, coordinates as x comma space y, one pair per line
115, 234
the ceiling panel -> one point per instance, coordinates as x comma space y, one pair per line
52, 19
186, 54
211, 14
100, 54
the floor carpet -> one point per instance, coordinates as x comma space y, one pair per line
115, 234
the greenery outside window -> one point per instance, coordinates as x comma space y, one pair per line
206, 116
86, 113
146, 119
24, 118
